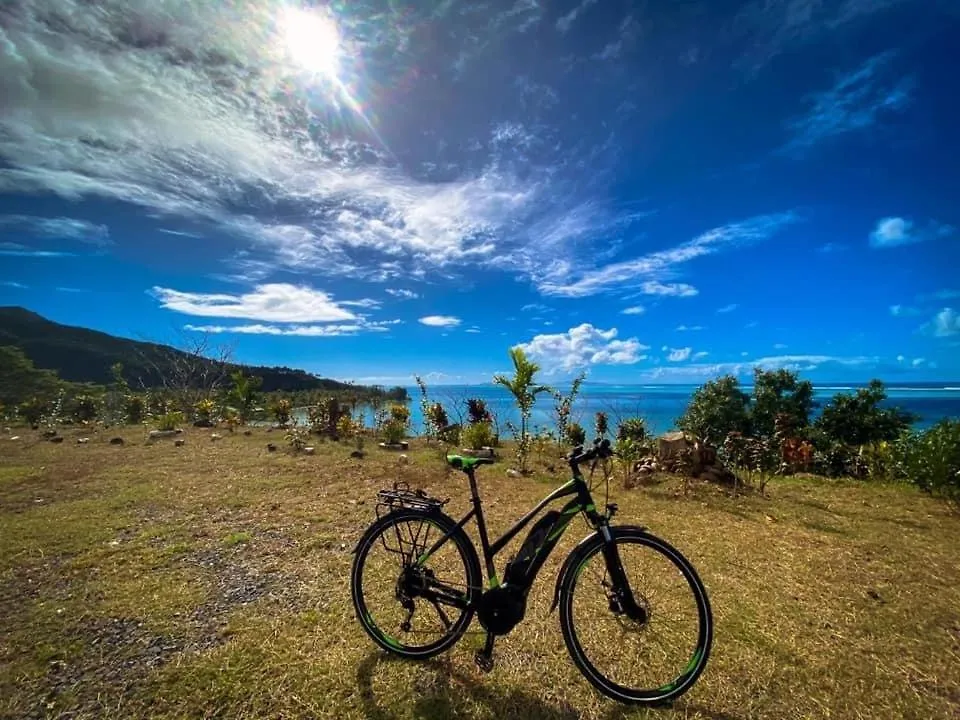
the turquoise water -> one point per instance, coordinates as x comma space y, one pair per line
661, 405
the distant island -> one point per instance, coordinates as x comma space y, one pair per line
82, 355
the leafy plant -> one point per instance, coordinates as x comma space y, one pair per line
931, 460
563, 406
633, 429
629, 451
716, 409
400, 414
33, 410
859, 419
576, 435
297, 436
477, 435
242, 395
524, 388
393, 431
324, 416
281, 410
779, 396
601, 424
133, 409
477, 411
170, 421
346, 427
204, 410
84, 409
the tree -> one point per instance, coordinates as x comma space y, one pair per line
859, 419
192, 373
20, 380
242, 397
717, 408
780, 392
563, 406
524, 389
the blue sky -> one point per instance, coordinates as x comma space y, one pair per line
658, 191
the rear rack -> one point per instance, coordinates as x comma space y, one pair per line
401, 496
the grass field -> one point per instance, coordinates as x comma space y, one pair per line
212, 580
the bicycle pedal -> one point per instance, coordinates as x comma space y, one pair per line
483, 661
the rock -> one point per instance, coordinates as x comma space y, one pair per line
6, 431
308, 450
403, 459
116, 441
179, 442
271, 447
159, 434
47, 434
248, 433
57, 439
484, 452
514, 473
670, 445
82, 441
359, 454
215, 436
202, 423
270, 428
15, 437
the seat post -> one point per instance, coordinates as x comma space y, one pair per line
474, 492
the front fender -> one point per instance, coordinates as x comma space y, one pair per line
576, 555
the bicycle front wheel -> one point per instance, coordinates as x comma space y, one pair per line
649, 647
412, 609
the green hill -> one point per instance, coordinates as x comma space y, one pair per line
81, 355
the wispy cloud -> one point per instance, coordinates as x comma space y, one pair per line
858, 100
13, 284
689, 328
728, 308
334, 330
402, 293
779, 346
71, 290
679, 354
273, 302
903, 311
566, 22
582, 346
700, 355
946, 323
798, 363
634, 310
58, 228
17, 250
648, 272
444, 321
896, 231
180, 233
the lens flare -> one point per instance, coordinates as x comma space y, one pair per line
313, 41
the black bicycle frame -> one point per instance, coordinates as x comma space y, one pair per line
582, 502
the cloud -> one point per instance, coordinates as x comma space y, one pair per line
179, 233
296, 330
896, 231
797, 363
858, 100
566, 22
689, 328
779, 346
59, 228
728, 308
71, 290
472, 330
946, 323
402, 294
700, 355
440, 321
13, 284
903, 311
634, 310
647, 272
679, 354
17, 250
831, 247
273, 302
918, 361
582, 346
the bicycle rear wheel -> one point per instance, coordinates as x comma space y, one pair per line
651, 650
415, 611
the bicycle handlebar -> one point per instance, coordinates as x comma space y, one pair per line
600, 449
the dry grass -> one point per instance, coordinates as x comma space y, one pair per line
212, 581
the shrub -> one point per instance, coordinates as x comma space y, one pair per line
437, 418
931, 460
716, 409
563, 406
297, 437
576, 435
281, 410
133, 407
633, 429
346, 427
477, 411
170, 421
324, 416
780, 394
204, 410
524, 388
600, 424
393, 431
84, 409
477, 435
400, 414
32, 411
858, 419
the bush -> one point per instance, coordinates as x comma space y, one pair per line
393, 431
281, 410
204, 410
84, 409
716, 409
477, 411
931, 460
297, 437
859, 420
170, 421
346, 427
437, 418
32, 411
400, 414
781, 399
477, 435
632, 429
600, 424
576, 435
133, 407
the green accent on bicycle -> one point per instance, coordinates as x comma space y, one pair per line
386, 638
591, 508
579, 570
494, 582
556, 533
466, 464
693, 661
573, 511
668, 687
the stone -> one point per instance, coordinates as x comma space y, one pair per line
248, 433
116, 441
403, 459
203, 424
57, 439
308, 450
48, 434
82, 441
670, 445
160, 434
358, 454
15, 437
215, 436
514, 473
179, 442
271, 447
484, 452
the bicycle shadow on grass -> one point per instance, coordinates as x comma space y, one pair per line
452, 693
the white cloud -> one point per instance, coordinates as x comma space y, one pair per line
798, 363
179, 233
534, 307
896, 231
58, 228
679, 354
634, 310
440, 321
779, 346
700, 355
472, 330
689, 328
918, 361
563, 278
582, 346
565, 22
13, 284
903, 311
946, 323
744, 353
274, 302
402, 294
296, 330
728, 308
900, 358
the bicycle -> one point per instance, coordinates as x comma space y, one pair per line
423, 573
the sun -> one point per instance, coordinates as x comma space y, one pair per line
312, 40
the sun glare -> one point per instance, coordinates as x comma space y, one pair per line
313, 40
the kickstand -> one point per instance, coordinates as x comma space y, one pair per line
484, 658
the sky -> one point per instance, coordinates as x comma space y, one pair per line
650, 192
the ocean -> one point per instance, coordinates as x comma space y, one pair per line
661, 405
